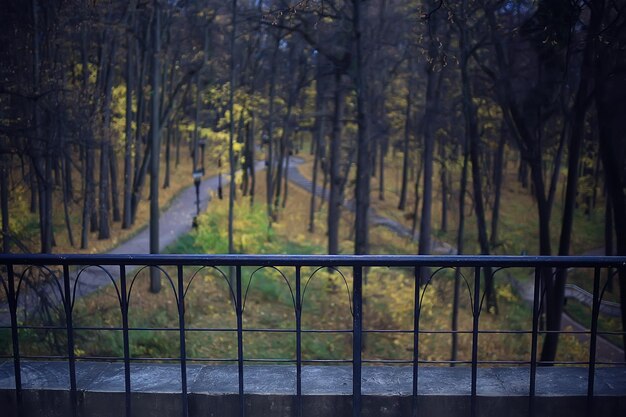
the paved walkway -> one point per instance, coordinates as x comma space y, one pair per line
174, 222
177, 220
439, 247
606, 351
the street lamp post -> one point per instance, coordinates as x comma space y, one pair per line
197, 178
202, 144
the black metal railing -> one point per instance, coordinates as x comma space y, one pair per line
67, 280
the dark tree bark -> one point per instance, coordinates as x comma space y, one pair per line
608, 240
459, 245
231, 133
362, 193
431, 110
128, 146
115, 192
471, 125
4, 201
319, 142
610, 96
269, 174
443, 179
498, 177
336, 192
196, 125
168, 142
141, 158
104, 229
405, 148
33, 189
155, 275
416, 191
556, 289
66, 203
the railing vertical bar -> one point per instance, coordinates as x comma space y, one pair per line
183, 347
17, 368
476, 314
595, 311
535, 336
357, 323
298, 344
416, 326
70, 335
124, 306
239, 309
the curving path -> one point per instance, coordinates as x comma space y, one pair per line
176, 220
605, 352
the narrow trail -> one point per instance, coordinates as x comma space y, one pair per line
605, 350
177, 218
174, 222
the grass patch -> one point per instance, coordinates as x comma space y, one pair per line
388, 302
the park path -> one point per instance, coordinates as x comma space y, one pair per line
605, 350
177, 219
174, 221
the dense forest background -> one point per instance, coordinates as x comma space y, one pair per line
108, 107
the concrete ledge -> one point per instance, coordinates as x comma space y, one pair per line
270, 390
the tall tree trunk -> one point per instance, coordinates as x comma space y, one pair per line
405, 148
362, 193
66, 203
32, 181
498, 176
42, 160
168, 141
459, 244
196, 125
382, 152
320, 124
231, 133
88, 217
4, 201
416, 191
608, 240
443, 178
141, 158
430, 112
251, 162
286, 180
128, 145
178, 136
269, 175
115, 192
104, 230
610, 95
471, 124
425, 240
282, 153
336, 194
155, 275
554, 310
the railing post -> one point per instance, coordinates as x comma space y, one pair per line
70, 335
17, 368
183, 348
416, 333
239, 310
357, 328
475, 314
594, 335
533, 346
298, 344
124, 306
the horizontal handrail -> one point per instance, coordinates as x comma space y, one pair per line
319, 260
